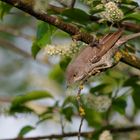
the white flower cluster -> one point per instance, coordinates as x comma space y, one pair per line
105, 135
112, 12
61, 50
99, 103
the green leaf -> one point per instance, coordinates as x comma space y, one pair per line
77, 15
116, 75
18, 102
33, 95
133, 16
132, 81
128, 6
129, 2
112, 79
93, 118
25, 130
119, 105
35, 49
95, 3
4, 9
98, 88
136, 96
70, 100
64, 63
43, 37
57, 74
95, 11
68, 112
48, 114
45, 30
44, 117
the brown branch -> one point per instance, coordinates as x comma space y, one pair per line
127, 25
83, 134
70, 28
62, 3
73, 3
130, 26
5, 99
130, 59
80, 127
62, 124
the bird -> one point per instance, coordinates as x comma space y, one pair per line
92, 59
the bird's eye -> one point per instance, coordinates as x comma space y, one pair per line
74, 75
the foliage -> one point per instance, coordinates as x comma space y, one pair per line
25, 130
107, 94
43, 37
4, 9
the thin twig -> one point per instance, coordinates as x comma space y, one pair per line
127, 25
81, 110
73, 3
62, 125
5, 99
110, 108
62, 3
80, 127
131, 60
78, 96
83, 134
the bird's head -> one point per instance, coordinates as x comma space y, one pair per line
74, 73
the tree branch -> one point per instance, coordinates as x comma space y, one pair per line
130, 59
130, 26
83, 134
127, 25
73, 3
69, 28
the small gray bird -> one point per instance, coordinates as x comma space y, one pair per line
92, 59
